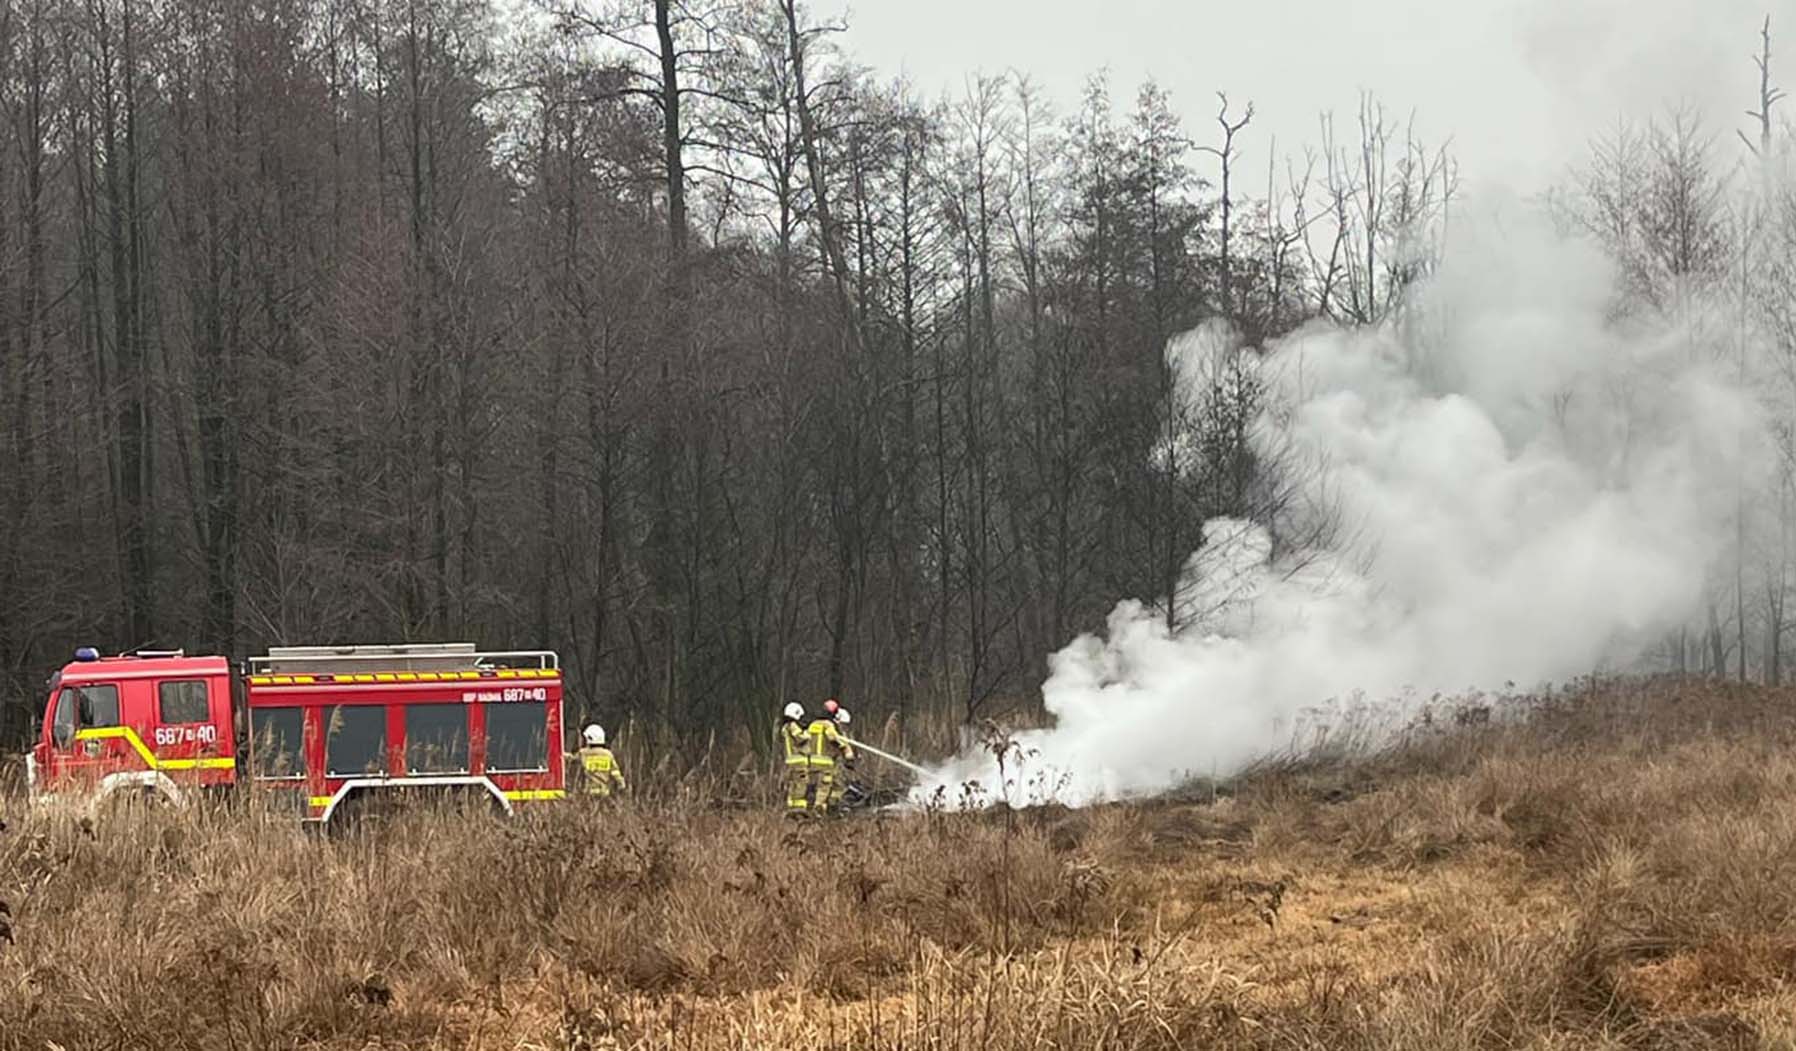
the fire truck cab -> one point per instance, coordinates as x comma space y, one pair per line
153, 723
323, 728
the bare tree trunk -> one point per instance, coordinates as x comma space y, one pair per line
1717, 645
1225, 155
125, 236
1769, 96
672, 145
813, 156
1774, 632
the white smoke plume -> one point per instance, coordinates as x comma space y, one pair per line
1527, 491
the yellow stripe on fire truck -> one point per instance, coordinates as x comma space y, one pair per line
151, 759
363, 678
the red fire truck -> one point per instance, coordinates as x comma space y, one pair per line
323, 729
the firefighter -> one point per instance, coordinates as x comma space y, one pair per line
845, 753
599, 765
825, 745
798, 761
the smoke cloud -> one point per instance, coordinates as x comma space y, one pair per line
1523, 490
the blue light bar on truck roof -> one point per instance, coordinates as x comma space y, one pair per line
87, 653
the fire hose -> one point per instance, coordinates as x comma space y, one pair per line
887, 756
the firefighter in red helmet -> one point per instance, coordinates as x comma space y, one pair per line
826, 745
845, 757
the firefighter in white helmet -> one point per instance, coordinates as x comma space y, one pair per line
598, 764
794, 742
844, 753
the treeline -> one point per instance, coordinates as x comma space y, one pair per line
659, 333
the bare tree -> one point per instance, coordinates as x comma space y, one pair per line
1769, 97
1225, 155
1386, 201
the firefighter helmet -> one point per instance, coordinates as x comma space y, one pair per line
794, 711
842, 715
830, 706
594, 735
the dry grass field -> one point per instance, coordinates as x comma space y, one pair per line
1616, 870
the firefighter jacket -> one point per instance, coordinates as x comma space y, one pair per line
797, 744
826, 743
602, 771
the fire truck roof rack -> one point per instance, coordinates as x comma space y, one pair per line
432, 656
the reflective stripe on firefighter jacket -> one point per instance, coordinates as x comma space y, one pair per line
826, 743
602, 771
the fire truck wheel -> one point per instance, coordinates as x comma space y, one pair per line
360, 813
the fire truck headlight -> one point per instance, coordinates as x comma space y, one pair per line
87, 653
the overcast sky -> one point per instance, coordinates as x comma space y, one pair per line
1518, 85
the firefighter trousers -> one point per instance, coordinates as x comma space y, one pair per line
798, 785
823, 782
839, 787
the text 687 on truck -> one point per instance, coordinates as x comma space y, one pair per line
321, 729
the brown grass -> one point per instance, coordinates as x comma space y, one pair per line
1616, 870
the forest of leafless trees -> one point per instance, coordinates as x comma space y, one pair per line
660, 333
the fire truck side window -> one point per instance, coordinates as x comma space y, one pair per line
182, 702
99, 705
62, 721
277, 737
355, 742
436, 738
517, 737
